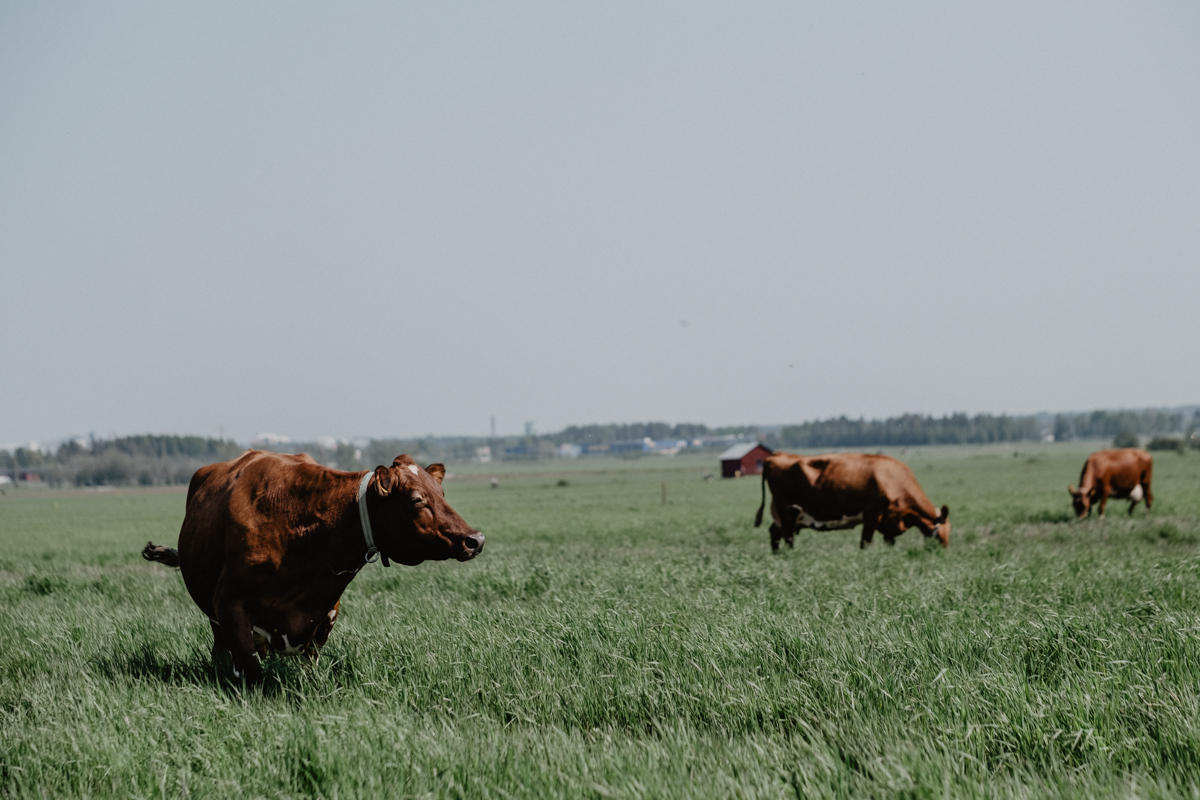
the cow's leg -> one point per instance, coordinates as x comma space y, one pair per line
236, 627
1103, 502
1149, 497
220, 650
891, 527
870, 522
784, 527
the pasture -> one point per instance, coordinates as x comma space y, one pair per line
608, 645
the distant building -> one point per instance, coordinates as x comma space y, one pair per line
483, 455
270, 439
569, 451
744, 459
645, 445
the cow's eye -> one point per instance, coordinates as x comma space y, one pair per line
418, 501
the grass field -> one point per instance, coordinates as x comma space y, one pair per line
608, 645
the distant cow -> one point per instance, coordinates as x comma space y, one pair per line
270, 541
1122, 474
840, 491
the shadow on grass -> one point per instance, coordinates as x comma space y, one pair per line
1168, 532
1043, 516
148, 664
281, 675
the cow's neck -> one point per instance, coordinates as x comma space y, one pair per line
1087, 481
372, 552
348, 548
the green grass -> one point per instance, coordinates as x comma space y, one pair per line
608, 645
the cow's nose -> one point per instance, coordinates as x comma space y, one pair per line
474, 542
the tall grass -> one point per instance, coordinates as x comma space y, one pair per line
608, 645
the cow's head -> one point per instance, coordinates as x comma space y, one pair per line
941, 526
413, 519
1081, 500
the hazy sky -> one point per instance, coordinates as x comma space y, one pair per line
354, 219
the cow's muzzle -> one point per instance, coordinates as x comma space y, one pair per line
471, 546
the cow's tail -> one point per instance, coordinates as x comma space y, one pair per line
167, 556
763, 504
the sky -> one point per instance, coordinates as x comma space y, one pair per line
401, 219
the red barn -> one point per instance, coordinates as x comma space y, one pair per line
744, 459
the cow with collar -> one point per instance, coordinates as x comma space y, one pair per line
844, 490
270, 541
1123, 474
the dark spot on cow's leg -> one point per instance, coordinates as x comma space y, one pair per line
791, 541
774, 538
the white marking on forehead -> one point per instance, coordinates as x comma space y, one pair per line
412, 468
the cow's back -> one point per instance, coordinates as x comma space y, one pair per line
898, 483
875, 481
1122, 468
845, 484
219, 509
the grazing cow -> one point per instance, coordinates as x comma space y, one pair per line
842, 490
270, 541
1123, 474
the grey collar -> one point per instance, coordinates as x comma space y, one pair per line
372, 551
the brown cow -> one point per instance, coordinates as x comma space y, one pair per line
842, 490
1121, 474
270, 541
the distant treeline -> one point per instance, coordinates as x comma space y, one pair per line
144, 460
914, 429
160, 460
1106, 424
911, 429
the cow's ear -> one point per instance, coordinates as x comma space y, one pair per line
383, 481
438, 471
